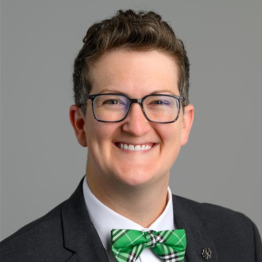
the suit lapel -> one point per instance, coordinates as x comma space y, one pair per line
197, 240
80, 235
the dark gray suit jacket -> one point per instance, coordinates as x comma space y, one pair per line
67, 234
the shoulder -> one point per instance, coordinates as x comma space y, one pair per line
43, 224
221, 224
214, 215
37, 239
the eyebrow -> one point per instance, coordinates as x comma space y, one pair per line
163, 91
119, 92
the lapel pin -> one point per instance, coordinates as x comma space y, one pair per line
206, 253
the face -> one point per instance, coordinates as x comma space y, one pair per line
135, 74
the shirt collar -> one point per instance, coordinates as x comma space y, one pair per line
105, 219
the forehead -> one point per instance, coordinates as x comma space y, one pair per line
133, 71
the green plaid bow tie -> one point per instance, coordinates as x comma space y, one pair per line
127, 245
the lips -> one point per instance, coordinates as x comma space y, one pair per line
132, 147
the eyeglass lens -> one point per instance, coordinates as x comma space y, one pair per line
115, 107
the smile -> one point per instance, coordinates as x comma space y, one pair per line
130, 147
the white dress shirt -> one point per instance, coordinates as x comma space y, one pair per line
105, 219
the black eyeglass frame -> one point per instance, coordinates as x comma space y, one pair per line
132, 101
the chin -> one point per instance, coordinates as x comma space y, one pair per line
137, 178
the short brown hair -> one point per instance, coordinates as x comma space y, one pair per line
136, 31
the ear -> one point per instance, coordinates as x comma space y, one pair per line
77, 120
187, 122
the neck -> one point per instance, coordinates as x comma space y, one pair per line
142, 204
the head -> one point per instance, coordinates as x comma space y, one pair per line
134, 31
135, 54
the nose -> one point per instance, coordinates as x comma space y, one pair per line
136, 122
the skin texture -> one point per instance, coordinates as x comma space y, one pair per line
132, 183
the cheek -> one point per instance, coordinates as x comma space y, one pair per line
99, 133
170, 135
171, 139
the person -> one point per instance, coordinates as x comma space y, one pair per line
132, 112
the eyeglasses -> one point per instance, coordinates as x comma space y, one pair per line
157, 108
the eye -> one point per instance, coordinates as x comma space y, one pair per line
160, 102
112, 102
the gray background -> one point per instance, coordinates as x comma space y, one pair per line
41, 161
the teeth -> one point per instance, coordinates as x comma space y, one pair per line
131, 147
135, 148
